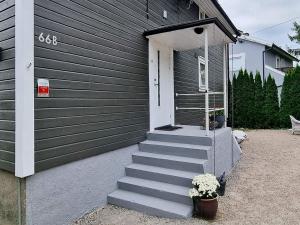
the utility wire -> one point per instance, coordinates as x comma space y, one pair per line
270, 27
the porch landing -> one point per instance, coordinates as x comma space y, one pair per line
158, 181
195, 131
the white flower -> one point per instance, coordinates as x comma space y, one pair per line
193, 193
206, 184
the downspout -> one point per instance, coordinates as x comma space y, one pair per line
264, 56
263, 62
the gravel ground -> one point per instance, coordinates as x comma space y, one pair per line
263, 189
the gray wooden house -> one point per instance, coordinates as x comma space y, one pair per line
91, 94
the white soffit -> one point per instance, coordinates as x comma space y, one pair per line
187, 39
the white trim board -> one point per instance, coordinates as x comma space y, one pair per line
275, 70
238, 61
24, 88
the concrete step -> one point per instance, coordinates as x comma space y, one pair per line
193, 140
170, 161
150, 205
178, 149
171, 176
156, 189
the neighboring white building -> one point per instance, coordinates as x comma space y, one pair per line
296, 52
254, 55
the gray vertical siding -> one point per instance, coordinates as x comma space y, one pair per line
7, 85
98, 74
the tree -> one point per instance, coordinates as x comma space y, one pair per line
238, 90
295, 94
286, 99
271, 106
296, 36
251, 112
290, 100
259, 99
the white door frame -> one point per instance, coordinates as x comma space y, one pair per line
163, 113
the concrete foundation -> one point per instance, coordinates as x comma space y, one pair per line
12, 195
227, 152
63, 194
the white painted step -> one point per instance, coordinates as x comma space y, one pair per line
149, 205
156, 189
171, 176
170, 161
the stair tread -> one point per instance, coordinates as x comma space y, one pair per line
161, 186
173, 144
162, 170
171, 157
152, 202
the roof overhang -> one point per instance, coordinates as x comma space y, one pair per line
221, 10
283, 53
214, 9
183, 36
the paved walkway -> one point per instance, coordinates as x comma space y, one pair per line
264, 189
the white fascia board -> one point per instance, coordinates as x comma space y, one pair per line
24, 88
275, 70
255, 40
239, 55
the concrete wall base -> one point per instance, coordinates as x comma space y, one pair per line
12, 199
227, 152
63, 194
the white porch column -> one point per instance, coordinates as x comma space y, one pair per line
225, 85
206, 83
24, 88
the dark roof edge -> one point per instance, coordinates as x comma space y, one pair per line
170, 28
221, 10
284, 53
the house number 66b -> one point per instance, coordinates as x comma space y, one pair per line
48, 39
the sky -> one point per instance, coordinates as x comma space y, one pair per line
265, 19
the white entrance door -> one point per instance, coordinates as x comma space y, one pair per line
161, 85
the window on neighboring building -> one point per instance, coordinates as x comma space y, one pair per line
236, 63
277, 62
202, 80
202, 15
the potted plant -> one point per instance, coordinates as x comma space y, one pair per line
204, 195
218, 117
222, 182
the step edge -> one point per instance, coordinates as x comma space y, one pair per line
175, 158
176, 145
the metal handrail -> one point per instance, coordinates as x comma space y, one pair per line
200, 94
195, 108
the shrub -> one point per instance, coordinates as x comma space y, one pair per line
271, 105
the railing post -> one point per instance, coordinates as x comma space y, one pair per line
225, 85
206, 84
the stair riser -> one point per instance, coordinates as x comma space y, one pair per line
183, 181
206, 141
144, 208
165, 163
184, 199
177, 151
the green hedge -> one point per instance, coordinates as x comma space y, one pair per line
290, 97
254, 103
